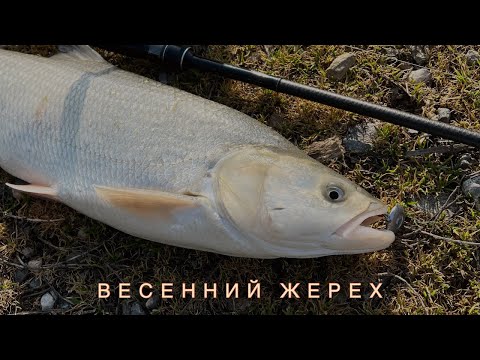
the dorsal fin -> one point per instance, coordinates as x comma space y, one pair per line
77, 52
147, 202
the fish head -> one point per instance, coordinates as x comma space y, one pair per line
289, 205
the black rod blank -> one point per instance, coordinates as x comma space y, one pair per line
179, 58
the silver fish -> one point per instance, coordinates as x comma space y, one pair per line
168, 166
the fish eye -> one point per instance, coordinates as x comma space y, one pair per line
335, 194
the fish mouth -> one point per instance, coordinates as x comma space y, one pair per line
356, 235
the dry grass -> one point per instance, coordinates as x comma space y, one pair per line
421, 274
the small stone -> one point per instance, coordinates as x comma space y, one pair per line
391, 52
472, 57
153, 302
35, 283
134, 309
420, 76
412, 131
466, 161
27, 252
443, 115
471, 188
405, 66
47, 301
35, 264
431, 204
339, 67
326, 150
359, 138
419, 54
20, 275
64, 305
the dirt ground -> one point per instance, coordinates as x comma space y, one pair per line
423, 272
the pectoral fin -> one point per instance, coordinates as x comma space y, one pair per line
36, 190
147, 202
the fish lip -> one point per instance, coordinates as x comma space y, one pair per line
356, 221
353, 237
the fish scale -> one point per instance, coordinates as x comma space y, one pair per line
168, 166
106, 130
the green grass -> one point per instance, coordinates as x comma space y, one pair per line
420, 274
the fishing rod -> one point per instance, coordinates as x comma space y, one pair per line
178, 58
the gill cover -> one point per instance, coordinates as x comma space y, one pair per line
240, 188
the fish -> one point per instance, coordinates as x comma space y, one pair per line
165, 165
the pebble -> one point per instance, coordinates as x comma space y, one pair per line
35, 264
420, 76
431, 204
419, 55
466, 161
153, 302
443, 115
339, 67
405, 66
472, 57
391, 52
132, 309
20, 275
359, 139
27, 252
35, 283
137, 309
471, 188
326, 150
64, 305
47, 301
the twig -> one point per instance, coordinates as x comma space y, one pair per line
386, 56
438, 237
447, 204
445, 149
474, 174
31, 313
20, 260
65, 263
31, 220
51, 245
60, 296
408, 284
42, 289
265, 48
41, 312
12, 264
